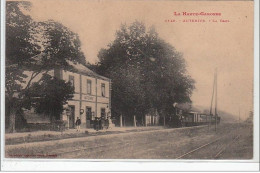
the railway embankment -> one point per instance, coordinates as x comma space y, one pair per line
199, 142
40, 136
41, 148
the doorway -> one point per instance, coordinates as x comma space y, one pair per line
103, 113
72, 117
89, 121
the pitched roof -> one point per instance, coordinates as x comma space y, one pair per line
76, 67
79, 68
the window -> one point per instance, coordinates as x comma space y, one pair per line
88, 113
88, 86
103, 90
103, 113
71, 80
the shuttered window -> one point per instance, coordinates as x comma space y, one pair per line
103, 94
89, 87
71, 80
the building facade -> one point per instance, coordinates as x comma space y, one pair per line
92, 97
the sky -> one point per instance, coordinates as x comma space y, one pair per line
227, 46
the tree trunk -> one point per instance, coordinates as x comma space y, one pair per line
121, 121
12, 116
134, 121
13, 107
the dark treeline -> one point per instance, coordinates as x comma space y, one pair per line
147, 73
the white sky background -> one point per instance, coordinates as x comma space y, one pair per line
205, 46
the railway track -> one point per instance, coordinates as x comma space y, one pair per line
107, 147
90, 149
102, 133
219, 152
85, 151
99, 148
225, 147
143, 148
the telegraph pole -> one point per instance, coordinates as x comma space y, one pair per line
214, 94
216, 102
210, 112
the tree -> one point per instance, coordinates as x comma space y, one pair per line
19, 47
147, 72
37, 47
49, 96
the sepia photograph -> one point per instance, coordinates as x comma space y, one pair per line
159, 80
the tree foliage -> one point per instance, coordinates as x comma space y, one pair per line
49, 96
146, 71
37, 47
19, 46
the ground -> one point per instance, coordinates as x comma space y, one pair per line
229, 141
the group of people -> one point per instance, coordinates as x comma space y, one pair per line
99, 123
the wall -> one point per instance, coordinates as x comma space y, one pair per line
81, 99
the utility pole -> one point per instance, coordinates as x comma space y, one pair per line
216, 100
210, 112
211, 105
214, 94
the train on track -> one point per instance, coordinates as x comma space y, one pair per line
192, 119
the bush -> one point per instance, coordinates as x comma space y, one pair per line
59, 125
38, 126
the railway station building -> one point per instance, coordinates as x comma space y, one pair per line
91, 99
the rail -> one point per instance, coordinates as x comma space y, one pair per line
223, 148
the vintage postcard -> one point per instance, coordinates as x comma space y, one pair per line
129, 82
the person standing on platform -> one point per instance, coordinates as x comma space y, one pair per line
78, 123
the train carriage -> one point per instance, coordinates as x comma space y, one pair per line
190, 119
195, 119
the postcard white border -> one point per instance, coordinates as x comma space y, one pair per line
2, 77
135, 165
